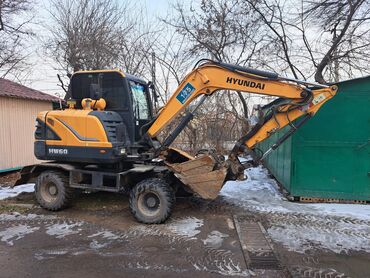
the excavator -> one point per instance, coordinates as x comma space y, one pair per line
106, 136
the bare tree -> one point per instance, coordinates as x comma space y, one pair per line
13, 33
272, 15
98, 34
327, 40
218, 30
86, 34
139, 42
173, 61
348, 21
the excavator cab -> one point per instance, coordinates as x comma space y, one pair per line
124, 94
102, 123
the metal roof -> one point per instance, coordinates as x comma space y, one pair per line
12, 89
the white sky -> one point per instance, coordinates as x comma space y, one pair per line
43, 74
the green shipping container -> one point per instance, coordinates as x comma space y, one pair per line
329, 156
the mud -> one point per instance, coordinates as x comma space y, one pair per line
117, 246
8, 179
98, 237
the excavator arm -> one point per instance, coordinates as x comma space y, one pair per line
295, 99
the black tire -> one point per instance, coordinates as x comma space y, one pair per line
52, 190
151, 201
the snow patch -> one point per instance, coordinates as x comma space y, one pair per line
105, 235
260, 193
50, 254
14, 216
350, 210
9, 192
108, 235
186, 227
345, 237
342, 227
225, 269
15, 233
215, 239
97, 245
230, 224
62, 230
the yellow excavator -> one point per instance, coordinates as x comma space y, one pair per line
105, 138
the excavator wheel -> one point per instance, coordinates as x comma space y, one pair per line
52, 190
151, 201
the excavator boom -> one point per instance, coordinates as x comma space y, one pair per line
209, 78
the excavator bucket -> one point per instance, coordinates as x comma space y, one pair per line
201, 174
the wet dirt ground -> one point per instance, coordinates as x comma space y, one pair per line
98, 237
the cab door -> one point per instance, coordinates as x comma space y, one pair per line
140, 105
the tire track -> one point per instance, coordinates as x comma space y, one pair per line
326, 226
311, 272
334, 232
138, 246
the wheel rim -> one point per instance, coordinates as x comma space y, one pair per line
149, 203
49, 192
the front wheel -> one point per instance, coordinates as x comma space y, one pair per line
52, 190
151, 201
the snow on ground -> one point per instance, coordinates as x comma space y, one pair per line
106, 235
13, 233
188, 227
14, 216
215, 239
260, 193
7, 192
341, 237
298, 226
185, 228
61, 230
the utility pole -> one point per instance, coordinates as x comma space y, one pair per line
154, 81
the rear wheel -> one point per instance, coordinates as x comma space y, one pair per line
52, 190
151, 201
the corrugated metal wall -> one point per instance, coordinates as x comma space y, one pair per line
17, 126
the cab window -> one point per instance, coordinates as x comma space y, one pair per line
140, 101
113, 89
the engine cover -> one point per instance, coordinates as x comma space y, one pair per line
81, 136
